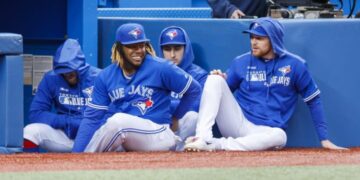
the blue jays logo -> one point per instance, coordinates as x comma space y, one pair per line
88, 91
143, 105
285, 70
255, 25
135, 33
172, 34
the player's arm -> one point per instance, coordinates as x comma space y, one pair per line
93, 116
177, 80
311, 96
41, 106
232, 77
224, 9
318, 116
191, 95
175, 124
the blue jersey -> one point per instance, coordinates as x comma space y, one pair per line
69, 101
267, 90
146, 95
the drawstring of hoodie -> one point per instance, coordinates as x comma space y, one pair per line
248, 73
273, 61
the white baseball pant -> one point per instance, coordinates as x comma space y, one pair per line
125, 132
48, 138
217, 102
187, 126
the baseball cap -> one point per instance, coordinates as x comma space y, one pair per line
172, 36
131, 33
256, 29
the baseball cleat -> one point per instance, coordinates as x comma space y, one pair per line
196, 144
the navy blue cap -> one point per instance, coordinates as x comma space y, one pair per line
130, 33
256, 29
172, 36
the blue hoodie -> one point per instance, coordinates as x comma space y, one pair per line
225, 8
186, 63
54, 92
267, 91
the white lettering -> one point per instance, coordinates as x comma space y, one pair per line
116, 94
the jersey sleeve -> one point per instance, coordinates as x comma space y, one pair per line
93, 115
232, 79
182, 83
309, 91
318, 117
175, 79
305, 84
40, 109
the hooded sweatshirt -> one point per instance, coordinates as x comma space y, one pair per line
186, 64
267, 90
54, 92
225, 8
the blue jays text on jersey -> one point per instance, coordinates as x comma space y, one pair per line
260, 76
139, 90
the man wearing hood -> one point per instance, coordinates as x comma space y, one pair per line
130, 106
266, 82
175, 46
67, 89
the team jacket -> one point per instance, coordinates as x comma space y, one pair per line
187, 65
146, 95
224, 8
267, 91
54, 92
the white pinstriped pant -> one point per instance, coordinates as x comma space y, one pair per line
125, 132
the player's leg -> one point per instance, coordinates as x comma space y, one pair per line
187, 126
217, 102
238, 132
48, 138
257, 138
124, 132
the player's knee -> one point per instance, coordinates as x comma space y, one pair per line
190, 116
215, 78
214, 81
34, 130
280, 136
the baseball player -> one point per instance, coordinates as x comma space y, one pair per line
67, 89
266, 82
130, 106
175, 45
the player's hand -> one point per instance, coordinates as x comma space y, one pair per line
237, 14
218, 72
175, 124
329, 145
